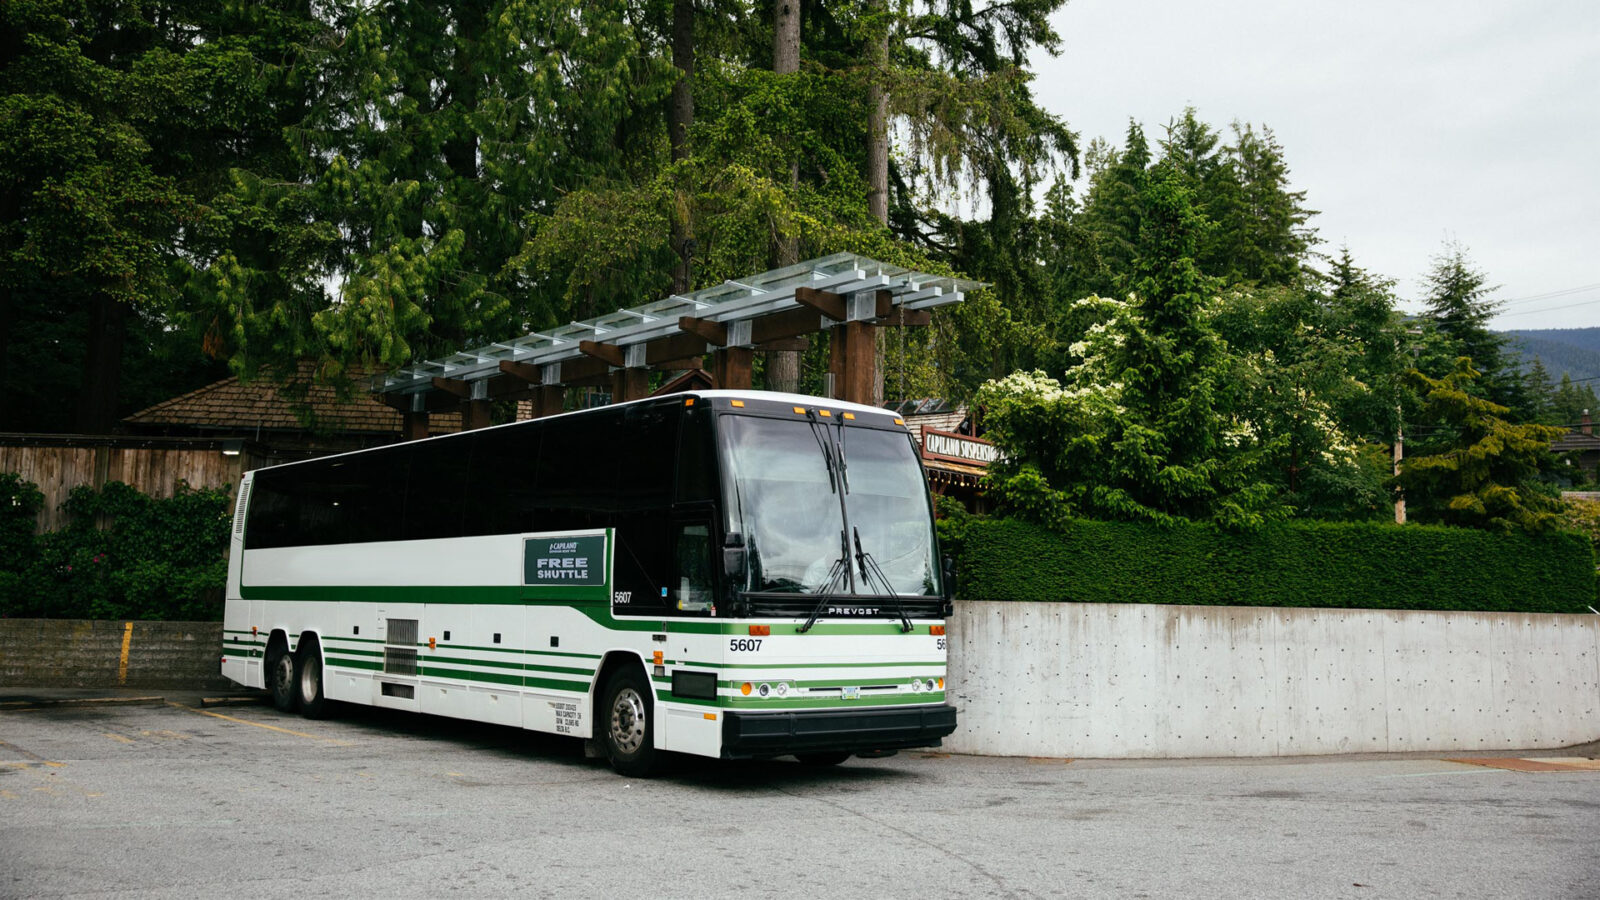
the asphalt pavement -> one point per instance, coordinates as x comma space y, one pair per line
156, 794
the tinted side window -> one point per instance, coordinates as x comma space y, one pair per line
697, 476
643, 449
575, 483
436, 488
341, 500
502, 495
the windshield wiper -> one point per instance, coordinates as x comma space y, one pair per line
870, 572
827, 455
841, 569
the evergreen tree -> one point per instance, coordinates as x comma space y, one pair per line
1146, 426
1477, 469
1460, 304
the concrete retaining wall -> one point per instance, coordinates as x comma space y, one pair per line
1132, 681
78, 653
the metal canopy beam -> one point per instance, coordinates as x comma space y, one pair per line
780, 305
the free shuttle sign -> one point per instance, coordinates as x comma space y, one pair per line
957, 448
567, 560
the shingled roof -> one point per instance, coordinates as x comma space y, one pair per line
231, 404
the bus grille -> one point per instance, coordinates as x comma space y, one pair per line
400, 649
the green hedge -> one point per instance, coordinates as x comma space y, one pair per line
1326, 564
123, 555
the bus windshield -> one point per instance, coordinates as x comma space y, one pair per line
784, 492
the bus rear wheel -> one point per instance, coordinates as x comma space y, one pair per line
281, 679
627, 725
313, 703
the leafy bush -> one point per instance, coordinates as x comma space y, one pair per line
20, 502
123, 555
1356, 565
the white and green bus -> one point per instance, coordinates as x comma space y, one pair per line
731, 574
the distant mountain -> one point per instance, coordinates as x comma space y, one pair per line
1575, 351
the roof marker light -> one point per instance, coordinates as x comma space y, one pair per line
738, 403
823, 412
689, 401
800, 410
899, 421
850, 416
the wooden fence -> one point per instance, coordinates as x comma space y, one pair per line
59, 463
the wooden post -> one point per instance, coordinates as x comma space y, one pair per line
548, 400
860, 362
414, 425
474, 414
629, 384
731, 367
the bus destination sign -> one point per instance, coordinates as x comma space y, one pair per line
578, 560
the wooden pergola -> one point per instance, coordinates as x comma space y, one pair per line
848, 296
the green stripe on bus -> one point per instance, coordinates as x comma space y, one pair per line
591, 602
938, 664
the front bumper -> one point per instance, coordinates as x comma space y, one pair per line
748, 734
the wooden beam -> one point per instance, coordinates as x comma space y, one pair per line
825, 302
611, 353
673, 347
793, 344
598, 379
787, 324
454, 386
509, 387
677, 365
578, 370
528, 372
705, 329
885, 302
413, 426
901, 317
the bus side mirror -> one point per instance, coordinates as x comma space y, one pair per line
734, 559
949, 582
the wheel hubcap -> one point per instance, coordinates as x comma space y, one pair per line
310, 678
628, 721
283, 675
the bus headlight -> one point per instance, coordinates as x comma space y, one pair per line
930, 684
782, 689
916, 686
764, 690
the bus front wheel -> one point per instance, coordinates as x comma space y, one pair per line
281, 679
627, 725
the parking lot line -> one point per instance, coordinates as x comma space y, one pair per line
217, 715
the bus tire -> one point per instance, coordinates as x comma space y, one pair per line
830, 758
281, 672
314, 703
627, 724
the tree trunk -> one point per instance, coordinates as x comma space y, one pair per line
102, 365
878, 132
878, 165
680, 115
783, 366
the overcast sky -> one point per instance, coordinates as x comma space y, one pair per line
1406, 122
